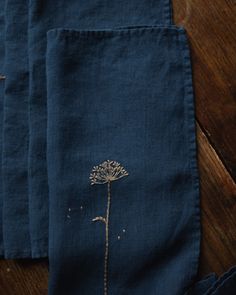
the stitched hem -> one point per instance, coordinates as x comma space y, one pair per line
24, 254
17, 254
192, 149
168, 12
70, 32
40, 254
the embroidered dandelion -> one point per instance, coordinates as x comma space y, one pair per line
105, 173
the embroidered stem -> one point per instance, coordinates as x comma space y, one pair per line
106, 172
99, 218
107, 238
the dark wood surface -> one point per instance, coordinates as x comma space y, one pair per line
211, 27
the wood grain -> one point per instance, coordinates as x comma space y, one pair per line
23, 277
218, 201
211, 27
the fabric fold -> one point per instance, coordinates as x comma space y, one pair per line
203, 285
212, 285
121, 117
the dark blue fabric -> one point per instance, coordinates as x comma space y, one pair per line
226, 284
117, 86
15, 132
124, 95
202, 286
2, 52
211, 285
46, 15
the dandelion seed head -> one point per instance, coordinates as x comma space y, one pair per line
106, 172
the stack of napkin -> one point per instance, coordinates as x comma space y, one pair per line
99, 168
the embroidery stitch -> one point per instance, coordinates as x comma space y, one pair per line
104, 173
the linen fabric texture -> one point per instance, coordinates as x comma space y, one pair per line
46, 15
2, 53
15, 213
98, 148
123, 95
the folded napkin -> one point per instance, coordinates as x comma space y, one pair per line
89, 14
16, 232
121, 155
123, 182
2, 79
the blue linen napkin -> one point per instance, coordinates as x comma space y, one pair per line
16, 233
123, 182
90, 14
2, 79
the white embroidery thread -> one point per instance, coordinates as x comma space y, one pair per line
105, 173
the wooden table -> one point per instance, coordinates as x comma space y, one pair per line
211, 26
